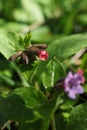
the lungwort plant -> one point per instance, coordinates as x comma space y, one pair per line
38, 90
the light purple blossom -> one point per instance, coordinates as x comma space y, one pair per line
72, 84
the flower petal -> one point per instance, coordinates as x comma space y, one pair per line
67, 88
72, 95
67, 80
79, 89
43, 55
70, 75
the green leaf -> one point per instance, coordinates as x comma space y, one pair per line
27, 39
27, 105
31, 102
31, 96
10, 108
32, 126
53, 72
29, 73
67, 46
78, 118
37, 101
24, 99
10, 42
38, 125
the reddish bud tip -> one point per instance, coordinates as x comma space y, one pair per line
81, 72
43, 55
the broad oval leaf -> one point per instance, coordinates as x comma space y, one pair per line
26, 105
20, 104
53, 72
67, 46
10, 42
78, 118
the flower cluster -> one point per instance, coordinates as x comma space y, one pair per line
72, 84
30, 53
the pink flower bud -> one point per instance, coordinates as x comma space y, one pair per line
43, 55
81, 72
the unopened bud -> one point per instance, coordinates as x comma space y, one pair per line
15, 56
40, 46
43, 55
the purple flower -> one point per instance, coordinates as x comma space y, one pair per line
72, 84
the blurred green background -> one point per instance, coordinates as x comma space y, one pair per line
50, 17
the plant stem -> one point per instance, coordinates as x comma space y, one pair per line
53, 125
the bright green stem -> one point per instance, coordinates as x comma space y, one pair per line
53, 125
